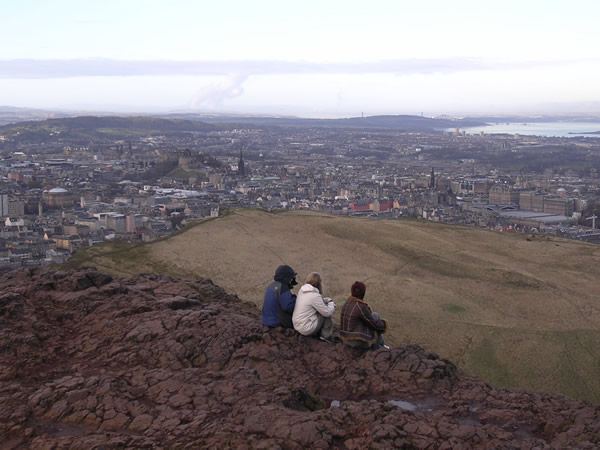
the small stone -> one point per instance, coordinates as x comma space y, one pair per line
179, 400
141, 423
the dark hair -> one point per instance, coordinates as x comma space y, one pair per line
358, 290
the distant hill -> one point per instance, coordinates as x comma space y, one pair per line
389, 122
84, 128
112, 127
11, 114
515, 309
408, 123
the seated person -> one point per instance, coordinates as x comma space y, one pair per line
312, 315
279, 302
360, 327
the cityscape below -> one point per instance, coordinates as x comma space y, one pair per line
75, 182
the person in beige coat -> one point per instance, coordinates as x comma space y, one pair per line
312, 314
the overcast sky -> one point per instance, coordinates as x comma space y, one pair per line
309, 58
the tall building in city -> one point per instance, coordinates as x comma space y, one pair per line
3, 205
16, 208
533, 201
504, 195
241, 171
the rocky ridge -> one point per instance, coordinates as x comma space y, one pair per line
90, 361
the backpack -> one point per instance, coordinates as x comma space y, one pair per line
285, 318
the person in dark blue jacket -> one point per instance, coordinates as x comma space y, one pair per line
279, 301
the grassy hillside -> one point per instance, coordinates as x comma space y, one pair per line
517, 310
88, 127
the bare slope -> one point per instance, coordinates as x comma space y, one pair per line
517, 310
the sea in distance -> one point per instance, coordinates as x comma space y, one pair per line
556, 129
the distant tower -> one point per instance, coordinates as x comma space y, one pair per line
241, 171
3, 205
432, 180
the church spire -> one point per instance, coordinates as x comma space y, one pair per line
241, 171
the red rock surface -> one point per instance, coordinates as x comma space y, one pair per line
88, 361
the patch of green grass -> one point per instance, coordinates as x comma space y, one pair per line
123, 132
114, 257
178, 172
454, 309
488, 366
578, 346
561, 361
88, 254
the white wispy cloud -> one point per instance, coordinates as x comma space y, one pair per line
66, 68
215, 94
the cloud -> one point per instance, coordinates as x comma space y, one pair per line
215, 94
67, 68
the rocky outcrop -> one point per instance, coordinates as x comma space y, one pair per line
88, 361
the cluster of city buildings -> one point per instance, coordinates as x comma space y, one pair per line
57, 196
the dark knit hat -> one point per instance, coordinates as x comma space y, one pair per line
286, 275
358, 290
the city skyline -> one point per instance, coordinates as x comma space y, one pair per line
339, 59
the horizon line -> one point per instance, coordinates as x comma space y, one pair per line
31, 68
